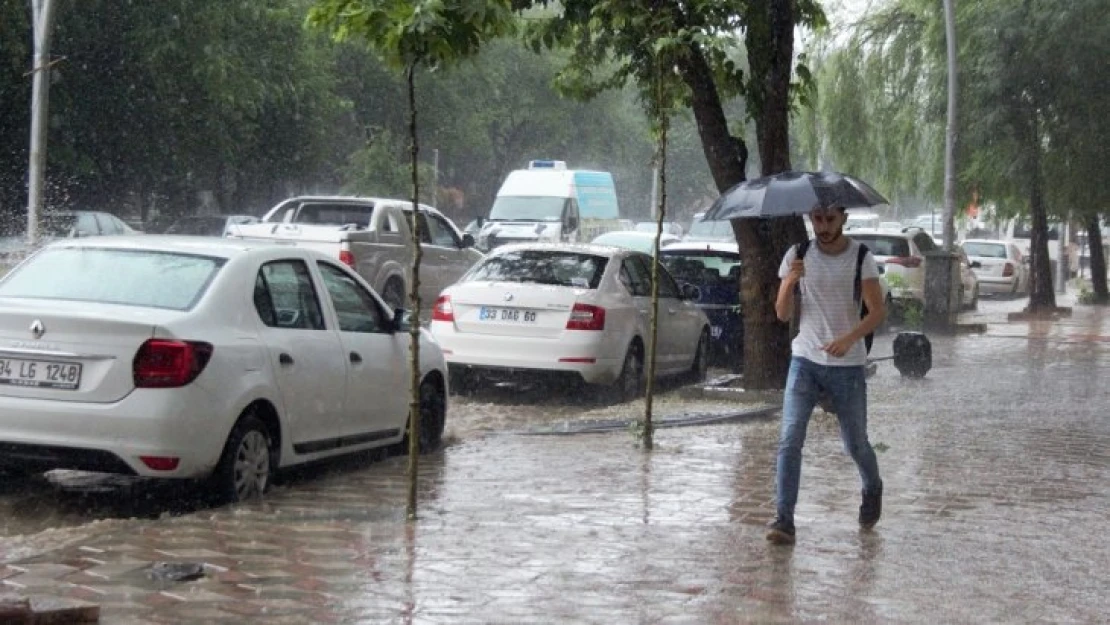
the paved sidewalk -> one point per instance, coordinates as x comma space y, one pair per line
997, 471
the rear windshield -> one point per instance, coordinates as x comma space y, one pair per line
341, 214
884, 246
711, 230
111, 276
543, 267
985, 250
700, 266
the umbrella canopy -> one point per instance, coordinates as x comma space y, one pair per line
792, 193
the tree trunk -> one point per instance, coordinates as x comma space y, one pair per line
770, 43
414, 302
1098, 261
1042, 297
653, 341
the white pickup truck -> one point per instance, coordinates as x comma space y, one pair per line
372, 236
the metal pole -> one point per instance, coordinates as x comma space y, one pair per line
43, 19
951, 128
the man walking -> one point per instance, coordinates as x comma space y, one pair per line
828, 357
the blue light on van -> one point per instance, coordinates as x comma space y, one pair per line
547, 164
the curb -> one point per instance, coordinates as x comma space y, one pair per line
682, 420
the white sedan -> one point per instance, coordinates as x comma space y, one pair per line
579, 310
184, 357
999, 266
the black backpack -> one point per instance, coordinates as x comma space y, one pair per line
857, 285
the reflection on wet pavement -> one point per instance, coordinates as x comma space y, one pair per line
997, 469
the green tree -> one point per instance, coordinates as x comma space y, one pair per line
700, 36
412, 34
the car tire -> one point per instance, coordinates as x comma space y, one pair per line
394, 294
699, 370
630, 382
248, 462
433, 420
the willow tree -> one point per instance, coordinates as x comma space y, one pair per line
612, 43
409, 35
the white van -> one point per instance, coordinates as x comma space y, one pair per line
549, 203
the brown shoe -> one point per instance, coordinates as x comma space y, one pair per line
780, 532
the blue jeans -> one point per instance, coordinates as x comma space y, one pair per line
847, 388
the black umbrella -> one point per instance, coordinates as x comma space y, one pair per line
792, 193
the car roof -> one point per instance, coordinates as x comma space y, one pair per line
703, 246
635, 234
898, 234
991, 241
207, 246
578, 248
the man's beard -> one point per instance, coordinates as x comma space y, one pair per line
830, 237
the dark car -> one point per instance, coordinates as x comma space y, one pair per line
715, 269
209, 225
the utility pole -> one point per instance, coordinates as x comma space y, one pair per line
950, 129
42, 12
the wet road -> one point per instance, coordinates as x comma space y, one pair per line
997, 468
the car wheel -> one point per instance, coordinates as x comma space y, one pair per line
394, 294
630, 382
433, 419
248, 461
699, 371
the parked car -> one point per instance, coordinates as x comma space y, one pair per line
669, 227
372, 236
714, 268
716, 230
210, 225
579, 311
55, 225
190, 358
635, 240
901, 258
999, 266
969, 282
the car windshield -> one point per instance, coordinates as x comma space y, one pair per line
543, 267
985, 250
702, 267
711, 230
113, 276
521, 208
884, 246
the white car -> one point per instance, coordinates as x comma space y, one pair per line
901, 257
999, 266
638, 240
969, 282
578, 310
187, 357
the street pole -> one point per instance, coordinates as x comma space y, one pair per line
43, 20
950, 129
435, 177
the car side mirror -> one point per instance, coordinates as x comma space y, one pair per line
976, 264
691, 292
467, 241
402, 320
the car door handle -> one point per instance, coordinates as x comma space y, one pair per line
356, 358
285, 359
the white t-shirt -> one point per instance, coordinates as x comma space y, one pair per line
829, 309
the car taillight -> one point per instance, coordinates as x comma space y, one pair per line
164, 363
347, 258
444, 310
586, 317
905, 261
1008, 270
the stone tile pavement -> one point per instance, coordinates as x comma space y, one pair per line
997, 470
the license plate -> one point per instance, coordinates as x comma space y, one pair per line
506, 315
40, 373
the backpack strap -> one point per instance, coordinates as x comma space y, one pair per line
803, 247
857, 286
